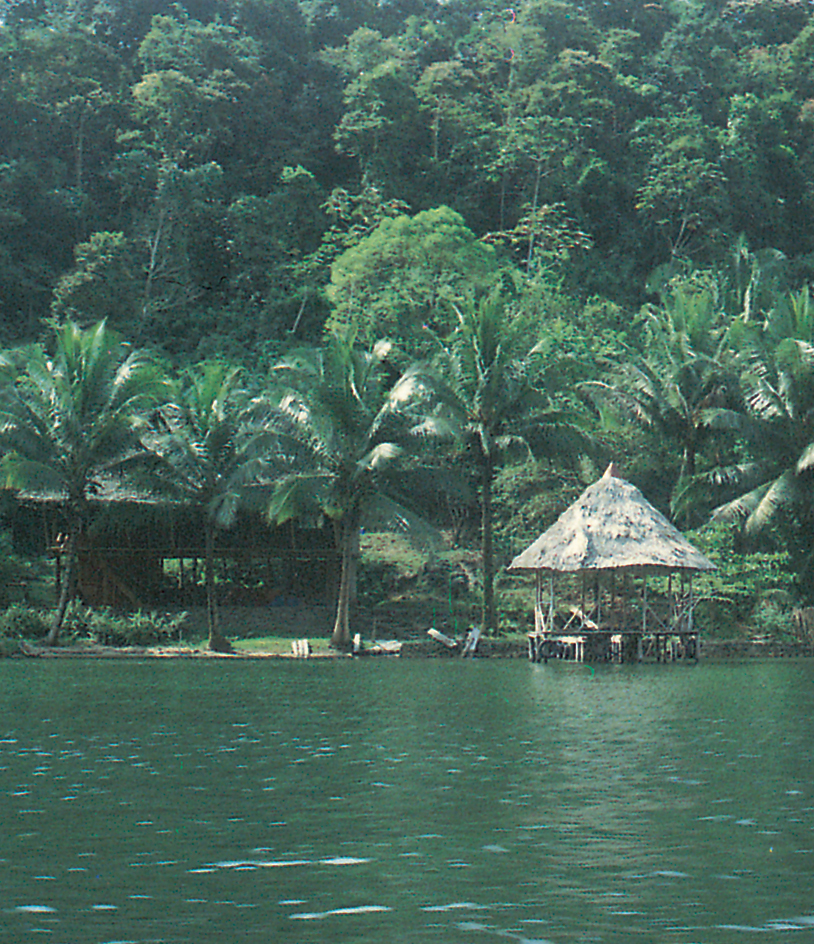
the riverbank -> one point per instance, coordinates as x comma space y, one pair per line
268, 633
281, 648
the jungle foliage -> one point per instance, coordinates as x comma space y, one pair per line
621, 190
209, 175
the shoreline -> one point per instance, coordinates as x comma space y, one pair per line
276, 628
713, 650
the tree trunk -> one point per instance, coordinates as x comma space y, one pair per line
217, 643
488, 620
66, 586
340, 637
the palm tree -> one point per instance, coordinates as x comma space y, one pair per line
773, 423
71, 418
668, 400
211, 452
493, 368
776, 430
686, 370
346, 437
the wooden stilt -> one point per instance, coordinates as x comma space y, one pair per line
598, 600
582, 597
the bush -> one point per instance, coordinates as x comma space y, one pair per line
18, 622
772, 618
133, 629
8, 648
732, 596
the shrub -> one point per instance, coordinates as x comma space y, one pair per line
18, 622
8, 647
772, 618
133, 629
732, 595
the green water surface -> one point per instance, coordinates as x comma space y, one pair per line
405, 801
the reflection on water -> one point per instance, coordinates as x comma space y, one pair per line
405, 802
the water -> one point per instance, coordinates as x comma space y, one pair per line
405, 801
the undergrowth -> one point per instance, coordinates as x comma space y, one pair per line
104, 626
108, 628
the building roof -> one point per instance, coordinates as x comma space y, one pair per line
611, 526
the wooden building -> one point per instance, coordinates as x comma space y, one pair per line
610, 543
138, 552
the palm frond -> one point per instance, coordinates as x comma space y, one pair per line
379, 457
31, 476
721, 484
782, 493
618, 401
382, 513
806, 461
294, 494
739, 509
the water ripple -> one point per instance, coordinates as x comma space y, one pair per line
359, 909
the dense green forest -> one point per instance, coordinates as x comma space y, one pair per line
590, 222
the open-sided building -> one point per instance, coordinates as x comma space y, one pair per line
613, 540
138, 551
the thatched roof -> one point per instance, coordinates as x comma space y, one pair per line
611, 526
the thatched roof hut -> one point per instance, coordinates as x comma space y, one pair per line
611, 526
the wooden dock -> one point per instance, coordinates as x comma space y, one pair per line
596, 645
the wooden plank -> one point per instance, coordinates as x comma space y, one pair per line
301, 648
444, 640
471, 641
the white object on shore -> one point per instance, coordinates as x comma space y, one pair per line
440, 637
471, 641
301, 648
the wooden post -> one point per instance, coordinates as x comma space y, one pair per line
598, 600
644, 606
691, 625
551, 603
582, 597
690, 603
612, 598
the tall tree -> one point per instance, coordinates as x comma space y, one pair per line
685, 370
69, 418
211, 453
493, 366
394, 282
766, 489
347, 435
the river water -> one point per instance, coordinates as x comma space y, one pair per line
405, 801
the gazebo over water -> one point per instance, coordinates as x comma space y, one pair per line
614, 539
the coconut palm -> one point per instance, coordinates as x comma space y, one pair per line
211, 452
687, 369
70, 418
347, 436
493, 371
776, 430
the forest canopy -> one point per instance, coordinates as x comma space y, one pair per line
629, 183
203, 173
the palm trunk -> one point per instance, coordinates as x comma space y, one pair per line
488, 620
340, 637
66, 586
217, 643
687, 471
